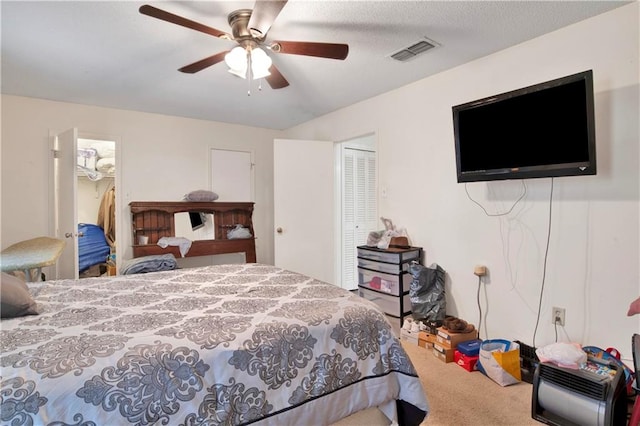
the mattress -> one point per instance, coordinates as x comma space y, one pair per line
225, 344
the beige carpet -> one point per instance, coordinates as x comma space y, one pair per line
458, 397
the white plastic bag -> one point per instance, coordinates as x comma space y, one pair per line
239, 232
569, 355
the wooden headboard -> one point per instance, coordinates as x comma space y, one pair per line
155, 219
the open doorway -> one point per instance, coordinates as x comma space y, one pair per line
83, 202
96, 207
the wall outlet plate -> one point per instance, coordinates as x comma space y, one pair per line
557, 316
480, 270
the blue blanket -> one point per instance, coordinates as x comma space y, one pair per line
93, 247
155, 263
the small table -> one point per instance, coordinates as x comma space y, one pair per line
31, 255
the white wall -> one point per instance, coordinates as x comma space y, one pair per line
594, 253
162, 158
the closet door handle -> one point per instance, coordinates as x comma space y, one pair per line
279, 230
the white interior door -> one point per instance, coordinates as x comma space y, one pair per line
66, 145
304, 207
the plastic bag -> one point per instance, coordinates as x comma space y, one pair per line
500, 361
385, 240
374, 238
238, 232
382, 239
563, 354
426, 292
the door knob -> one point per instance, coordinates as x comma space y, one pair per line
68, 235
279, 230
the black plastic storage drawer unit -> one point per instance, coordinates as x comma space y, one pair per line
384, 278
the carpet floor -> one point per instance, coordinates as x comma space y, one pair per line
459, 397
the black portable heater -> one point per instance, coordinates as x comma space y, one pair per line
568, 397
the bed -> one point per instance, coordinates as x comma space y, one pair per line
224, 344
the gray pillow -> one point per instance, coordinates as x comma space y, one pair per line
15, 299
201, 195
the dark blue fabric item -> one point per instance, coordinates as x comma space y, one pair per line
93, 247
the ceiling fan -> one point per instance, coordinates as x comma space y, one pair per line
249, 29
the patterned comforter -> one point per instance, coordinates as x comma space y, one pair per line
227, 344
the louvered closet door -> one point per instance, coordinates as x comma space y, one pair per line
359, 208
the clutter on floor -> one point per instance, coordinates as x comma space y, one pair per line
442, 340
571, 383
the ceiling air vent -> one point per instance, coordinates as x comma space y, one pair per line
413, 50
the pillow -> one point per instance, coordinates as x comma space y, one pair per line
15, 299
201, 195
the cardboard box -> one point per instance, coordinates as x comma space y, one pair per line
445, 356
469, 363
426, 339
440, 348
111, 270
425, 344
451, 340
426, 336
408, 336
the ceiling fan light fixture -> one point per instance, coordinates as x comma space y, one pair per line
239, 58
260, 63
237, 61
240, 73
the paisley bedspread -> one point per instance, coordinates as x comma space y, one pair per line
225, 344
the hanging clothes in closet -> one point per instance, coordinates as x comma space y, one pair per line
107, 215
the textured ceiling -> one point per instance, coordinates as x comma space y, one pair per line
108, 54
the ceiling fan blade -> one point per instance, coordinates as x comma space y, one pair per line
276, 80
204, 63
263, 14
321, 50
154, 12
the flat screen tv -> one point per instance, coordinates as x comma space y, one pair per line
544, 130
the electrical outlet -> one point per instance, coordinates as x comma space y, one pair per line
480, 270
557, 316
